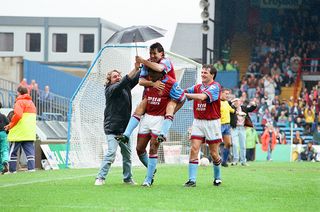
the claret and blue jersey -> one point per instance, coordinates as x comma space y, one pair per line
210, 108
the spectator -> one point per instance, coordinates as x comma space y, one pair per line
251, 140
269, 140
4, 166
219, 65
252, 86
295, 111
297, 138
314, 55
309, 117
283, 119
229, 66
269, 87
34, 92
238, 121
308, 153
316, 135
24, 83
46, 100
22, 129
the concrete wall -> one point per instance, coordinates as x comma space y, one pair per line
11, 68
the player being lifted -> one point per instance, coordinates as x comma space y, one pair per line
206, 126
152, 121
158, 63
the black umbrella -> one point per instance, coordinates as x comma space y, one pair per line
136, 34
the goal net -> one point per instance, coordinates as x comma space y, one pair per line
86, 139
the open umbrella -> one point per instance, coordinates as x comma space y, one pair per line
136, 34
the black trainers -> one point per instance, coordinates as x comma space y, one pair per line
122, 138
217, 182
5, 168
154, 173
161, 138
190, 184
224, 164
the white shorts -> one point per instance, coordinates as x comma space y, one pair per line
150, 125
208, 131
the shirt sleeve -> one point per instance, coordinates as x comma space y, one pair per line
176, 93
144, 72
167, 65
190, 89
213, 93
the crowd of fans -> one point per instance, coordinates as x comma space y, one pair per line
280, 49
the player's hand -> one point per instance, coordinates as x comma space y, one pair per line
139, 59
158, 85
137, 66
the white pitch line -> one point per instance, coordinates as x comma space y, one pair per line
45, 180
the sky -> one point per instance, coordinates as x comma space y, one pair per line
164, 14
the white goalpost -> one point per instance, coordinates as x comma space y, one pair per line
86, 139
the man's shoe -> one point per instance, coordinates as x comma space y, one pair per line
161, 138
130, 182
122, 138
99, 182
224, 164
146, 184
5, 168
190, 184
244, 164
217, 182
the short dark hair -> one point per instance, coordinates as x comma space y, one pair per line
155, 75
22, 90
225, 89
157, 46
212, 69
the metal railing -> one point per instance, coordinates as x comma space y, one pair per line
49, 107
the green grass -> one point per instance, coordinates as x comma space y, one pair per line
259, 187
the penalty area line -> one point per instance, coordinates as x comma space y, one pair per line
45, 180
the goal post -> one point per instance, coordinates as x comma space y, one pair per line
86, 143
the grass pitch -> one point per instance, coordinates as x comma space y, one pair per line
260, 187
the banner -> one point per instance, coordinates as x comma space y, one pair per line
280, 4
55, 154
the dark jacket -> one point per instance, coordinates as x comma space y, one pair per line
3, 122
118, 105
247, 109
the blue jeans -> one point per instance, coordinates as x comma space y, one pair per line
238, 136
269, 151
111, 155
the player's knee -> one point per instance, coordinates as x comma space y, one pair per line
216, 161
194, 150
140, 151
214, 155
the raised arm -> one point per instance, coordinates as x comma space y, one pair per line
152, 65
